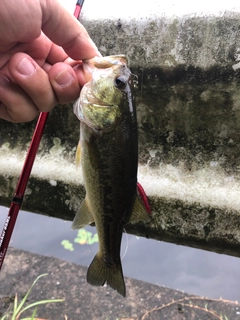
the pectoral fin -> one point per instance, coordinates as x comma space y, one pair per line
139, 212
83, 217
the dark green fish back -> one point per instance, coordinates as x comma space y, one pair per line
109, 158
109, 165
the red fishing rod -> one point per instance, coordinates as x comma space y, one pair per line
26, 171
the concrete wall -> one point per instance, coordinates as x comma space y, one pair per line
188, 104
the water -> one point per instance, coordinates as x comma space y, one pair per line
178, 267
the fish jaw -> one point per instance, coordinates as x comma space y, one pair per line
102, 63
100, 99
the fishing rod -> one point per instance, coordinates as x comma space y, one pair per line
26, 171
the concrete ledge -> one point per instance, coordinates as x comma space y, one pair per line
189, 122
67, 280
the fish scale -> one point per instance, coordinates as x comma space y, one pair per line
109, 159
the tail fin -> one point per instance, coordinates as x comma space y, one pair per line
98, 273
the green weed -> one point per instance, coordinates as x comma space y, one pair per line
19, 308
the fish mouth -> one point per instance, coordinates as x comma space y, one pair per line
102, 63
93, 107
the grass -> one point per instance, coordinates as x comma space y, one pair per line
19, 307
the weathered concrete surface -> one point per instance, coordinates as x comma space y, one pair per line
66, 280
188, 97
189, 124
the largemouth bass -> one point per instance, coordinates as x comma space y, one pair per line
108, 149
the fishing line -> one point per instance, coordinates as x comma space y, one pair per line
126, 249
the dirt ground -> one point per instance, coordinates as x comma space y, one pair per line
66, 280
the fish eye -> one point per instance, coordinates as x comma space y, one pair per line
120, 83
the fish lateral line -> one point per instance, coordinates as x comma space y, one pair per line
78, 155
139, 212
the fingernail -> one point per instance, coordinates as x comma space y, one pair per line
64, 78
4, 81
26, 67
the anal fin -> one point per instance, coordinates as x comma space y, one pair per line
83, 217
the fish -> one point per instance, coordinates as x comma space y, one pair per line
108, 153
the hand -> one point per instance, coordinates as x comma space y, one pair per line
38, 41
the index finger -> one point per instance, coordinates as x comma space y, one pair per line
66, 31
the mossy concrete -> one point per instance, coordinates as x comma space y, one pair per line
188, 91
188, 107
